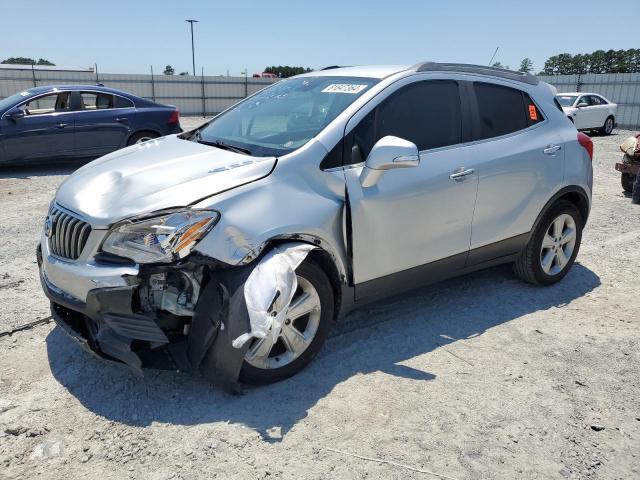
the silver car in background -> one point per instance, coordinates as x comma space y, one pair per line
397, 176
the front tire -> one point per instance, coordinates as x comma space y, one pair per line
607, 128
309, 319
553, 246
626, 179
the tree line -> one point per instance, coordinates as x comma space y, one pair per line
27, 61
611, 61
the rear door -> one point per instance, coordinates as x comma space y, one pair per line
46, 130
103, 122
518, 157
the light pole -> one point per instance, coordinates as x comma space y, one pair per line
193, 53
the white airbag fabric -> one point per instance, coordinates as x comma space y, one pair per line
269, 290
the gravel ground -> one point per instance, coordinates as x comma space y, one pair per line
478, 377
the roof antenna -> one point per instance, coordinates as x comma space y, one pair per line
493, 56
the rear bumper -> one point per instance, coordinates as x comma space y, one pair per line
630, 168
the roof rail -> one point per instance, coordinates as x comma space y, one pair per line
476, 69
331, 67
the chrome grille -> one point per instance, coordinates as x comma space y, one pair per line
68, 235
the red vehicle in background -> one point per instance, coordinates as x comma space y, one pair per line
264, 75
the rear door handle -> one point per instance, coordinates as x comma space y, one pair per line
551, 149
62, 125
122, 119
460, 174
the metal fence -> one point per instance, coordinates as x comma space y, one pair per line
209, 95
193, 95
621, 88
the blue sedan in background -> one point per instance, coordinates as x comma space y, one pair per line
64, 122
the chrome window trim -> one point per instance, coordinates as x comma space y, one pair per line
357, 117
40, 96
80, 92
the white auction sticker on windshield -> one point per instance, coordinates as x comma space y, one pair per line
344, 88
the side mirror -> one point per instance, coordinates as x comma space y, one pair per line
582, 104
388, 153
15, 113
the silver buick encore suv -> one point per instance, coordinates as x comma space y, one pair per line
379, 179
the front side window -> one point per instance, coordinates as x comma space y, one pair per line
95, 101
584, 101
566, 100
52, 103
427, 113
284, 117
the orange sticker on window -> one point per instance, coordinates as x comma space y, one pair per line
533, 113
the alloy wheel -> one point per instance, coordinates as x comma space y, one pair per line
298, 331
608, 126
558, 245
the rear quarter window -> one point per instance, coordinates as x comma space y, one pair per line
122, 102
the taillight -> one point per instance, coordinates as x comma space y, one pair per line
175, 116
586, 143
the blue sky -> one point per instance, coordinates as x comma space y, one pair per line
128, 36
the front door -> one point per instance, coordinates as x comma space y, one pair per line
416, 216
45, 131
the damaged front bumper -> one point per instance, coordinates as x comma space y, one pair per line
116, 321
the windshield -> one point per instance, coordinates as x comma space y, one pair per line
13, 99
282, 118
566, 100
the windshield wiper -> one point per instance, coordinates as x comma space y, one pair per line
225, 146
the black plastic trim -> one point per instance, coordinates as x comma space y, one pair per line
504, 251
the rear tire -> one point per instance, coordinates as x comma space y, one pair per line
607, 128
315, 279
626, 179
553, 246
140, 137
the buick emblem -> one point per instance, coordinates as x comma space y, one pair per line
48, 226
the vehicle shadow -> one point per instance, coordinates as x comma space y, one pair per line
66, 167
377, 338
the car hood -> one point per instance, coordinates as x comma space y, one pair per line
158, 174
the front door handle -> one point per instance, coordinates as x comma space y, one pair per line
62, 125
552, 149
460, 174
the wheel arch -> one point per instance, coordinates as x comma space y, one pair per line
572, 193
143, 130
322, 258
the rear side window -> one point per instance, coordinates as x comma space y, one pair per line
96, 101
426, 113
503, 110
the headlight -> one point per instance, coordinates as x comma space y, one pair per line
160, 239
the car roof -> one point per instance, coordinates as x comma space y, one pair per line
575, 94
99, 88
383, 71
365, 71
